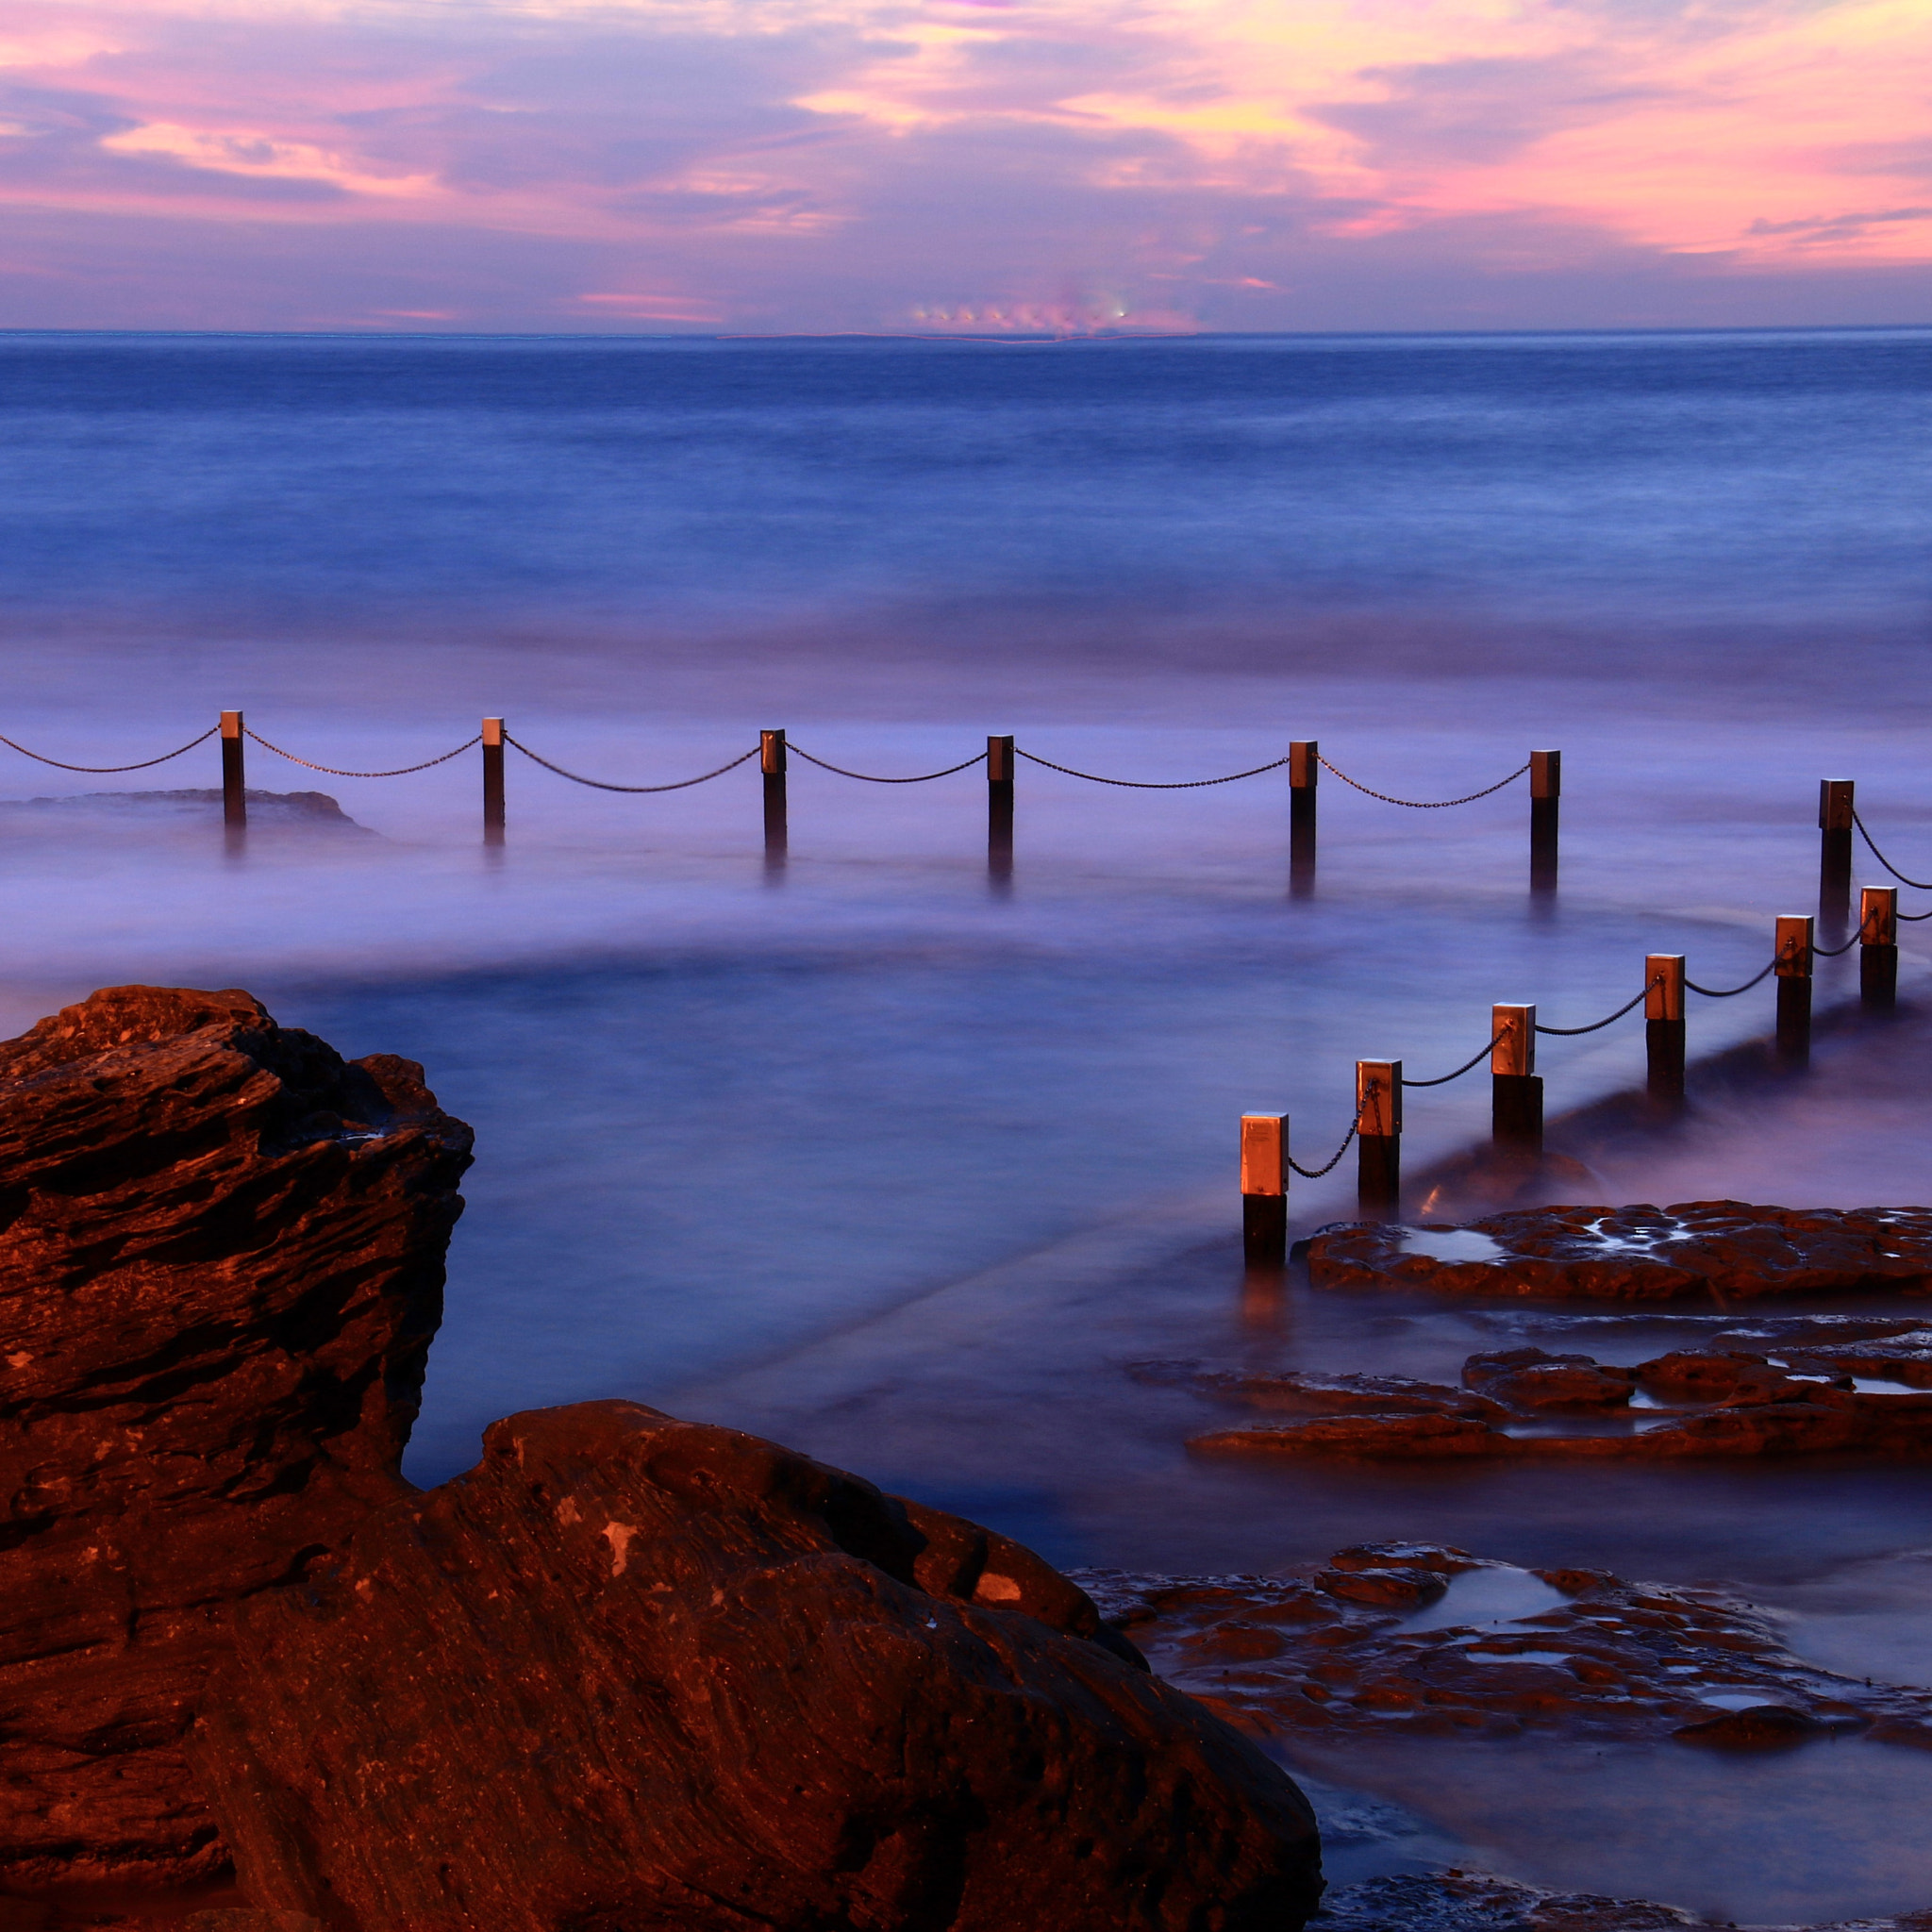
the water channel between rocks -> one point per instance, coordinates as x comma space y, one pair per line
1007, 1395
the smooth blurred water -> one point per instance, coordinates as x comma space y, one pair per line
873, 1153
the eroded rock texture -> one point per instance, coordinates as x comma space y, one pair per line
1477, 1902
635, 1674
1527, 1404
221, 1265
1371, 1646
1644, 1254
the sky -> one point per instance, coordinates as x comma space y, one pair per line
964, 166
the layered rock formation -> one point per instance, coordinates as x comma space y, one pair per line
633, 1672
1520, 1403
1477, 1902
1343, 1653
221, 1265
630, 1674
1639, 1254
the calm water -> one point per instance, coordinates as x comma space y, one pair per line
902, 1167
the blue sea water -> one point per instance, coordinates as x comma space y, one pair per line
876, 1152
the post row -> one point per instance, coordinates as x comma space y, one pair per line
1516, 1089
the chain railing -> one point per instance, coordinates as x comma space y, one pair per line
141, 765
1375, 1127
1303, 763
1517, 1101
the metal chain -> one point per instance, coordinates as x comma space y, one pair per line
1710, 992
401, 771
1832, 951
1464, 1068
1315, 1173
1425, 804
1150, 785
1571, 1032
1917, 885
140, 767
598, 784
923, 778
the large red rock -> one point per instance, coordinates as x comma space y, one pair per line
220, 1264
636, 1675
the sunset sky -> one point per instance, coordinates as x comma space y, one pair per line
977, 166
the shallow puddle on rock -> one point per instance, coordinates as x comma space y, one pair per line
1866, 1619
1485, 1598
1827, 1831
1520, 1656
1452, 1244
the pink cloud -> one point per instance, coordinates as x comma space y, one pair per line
686, 167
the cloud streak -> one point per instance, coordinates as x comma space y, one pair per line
963, 165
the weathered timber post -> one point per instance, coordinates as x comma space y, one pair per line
1835, 807
999, 806
493, 781
1878, 947
1795, 937
1304, 769
1663, 1030
772, 763
1545, 807
1516, 1089
1378, 1138
234, 778
1264, 1189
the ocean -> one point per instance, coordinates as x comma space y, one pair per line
902, 1160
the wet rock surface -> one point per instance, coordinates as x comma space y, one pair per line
1525, 1403
631, 1671
198, 805
1639, 1254
1475, 1902
221, 1265
1576, 1652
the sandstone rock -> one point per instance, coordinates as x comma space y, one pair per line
1702, 1375
1459, 1902
1628, 1662
1374, 1438
632, 1672
1526, 1378
1761, 1728
220, 1264
1296, 1390
1406, 1588
1744, 1404
1642, 1254
1444, 1559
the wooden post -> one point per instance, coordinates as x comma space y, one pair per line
234, 778
1516, 1091
1264, 1189
1834, 805
1378, 1138
493, 781
772, 763
1878, 947
1663, 1029
1545, 805
1795, 934
999, 806
1304, 769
